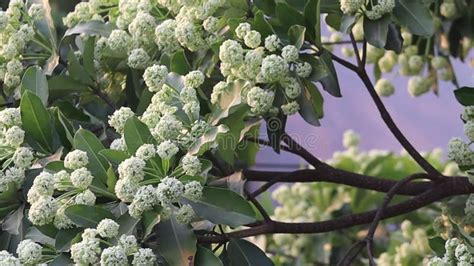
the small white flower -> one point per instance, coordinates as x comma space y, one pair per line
144, 256
86, 252
86, 197
43, 211
60, 178
8, 259
144, 200
118, 145
242, 30
210, 24
165, 36
260, 100
132, 168
417, 86
16, 175
303, 69
128, 243
272, 43
193, 190
119, 41
252, 39
146, 152
120, 117
189, 35
217, 91
29, 252
290, 53
108, 228
274, 68
36, 11
138, 59
169, 190
125, 189
460, 152
350, 139
351, 6
167, 149
191, 164
10, 117
292, 87
168, 128
76, 159
290, 108
448, 9
14, 136
23, 157
14, 67
155, 77
384, 87
231, 52
81, 178
44, 184
194, 79
185, 214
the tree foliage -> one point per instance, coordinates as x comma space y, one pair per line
129, 129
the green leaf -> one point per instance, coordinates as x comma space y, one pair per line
231, 97
242, 252
61, 86
261, 25
36, 120
331, 82
202, 144
267, 6
415, 16
127, 224
86, 141
346, 23
136, 133
437, 245
88, 57
12, 224
311, 104
179, 63
76, 71
64, 238
35, 81
114, 156
312, 17
205, 257
91, 28
394, 39
176, 242
149, 220
288, 16
296, 35
223, 206
87, 216
465, 95
61, 260
375, 31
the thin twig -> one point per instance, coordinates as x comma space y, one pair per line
356, 50
257, 204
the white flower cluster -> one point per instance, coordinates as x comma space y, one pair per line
448, 9
260, 100
381, 8
351, 6
29, 252
119, 118
457, 253
384, 87
89, 251
16, 30
76, 159
12, 137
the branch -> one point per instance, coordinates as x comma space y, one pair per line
436, 175
356, 50
105, 98
326, 173
451, 187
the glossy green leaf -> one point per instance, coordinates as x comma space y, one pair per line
87, 216
288, 16
231, 97
261, 25
179, 63
88, 57
296, 35
205, 257
91, 28
127, 224
136, 133
223, 206
36, 120
267, 6
465, 96
242, 252
414, 15
86, 141
312, 18
35, 81
330, 82
176, 242
12, 223
346, 23
394, 39
375, 31
114, 156
202, 144
311, 104
64, 238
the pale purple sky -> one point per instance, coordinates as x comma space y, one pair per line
428, 121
